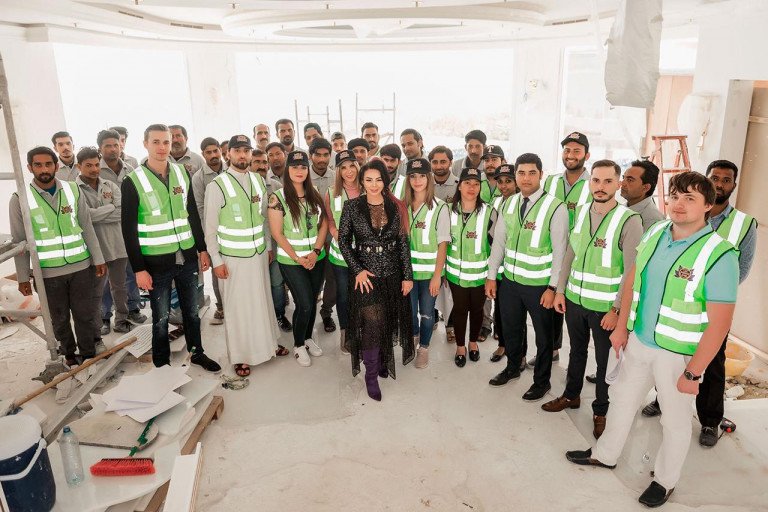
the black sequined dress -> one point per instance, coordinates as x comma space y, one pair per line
380, 247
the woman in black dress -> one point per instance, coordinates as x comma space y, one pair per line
374, 242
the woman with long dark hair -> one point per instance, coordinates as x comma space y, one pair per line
380, 264
297, 223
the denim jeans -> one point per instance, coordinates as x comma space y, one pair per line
422, 308
134, 299
278, 290
185, 277
305, 286
342, 294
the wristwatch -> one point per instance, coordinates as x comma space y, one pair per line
553, 288
316, 251
615, 309
690, 376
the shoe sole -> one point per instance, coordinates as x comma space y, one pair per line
583, 462
216, 321
134, 322
502, 385
209, 371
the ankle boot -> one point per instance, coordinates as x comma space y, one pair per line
371, 362
343, 341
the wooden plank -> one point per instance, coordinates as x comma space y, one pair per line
213, 412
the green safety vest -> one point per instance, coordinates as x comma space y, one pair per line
302, 237
735, 227
528, 251
163, 218
496, 204
683, 314
58, 235
598, 262
578, 196
241, 223
469, 250
337, 205
486, 194
398, 187
423, 239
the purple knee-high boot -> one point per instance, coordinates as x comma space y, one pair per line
371, 362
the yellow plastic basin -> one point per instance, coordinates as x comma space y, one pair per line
737, 359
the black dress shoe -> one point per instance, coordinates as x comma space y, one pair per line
652, 409
460, 360
205, 362
536, 393
584, 458
329, 324
505, 376
495, 358
708, 437
592, 379
474, 355
284, 324
655, 495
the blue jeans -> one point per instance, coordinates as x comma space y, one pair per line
278, 290
134, 299
342, 294
185, 277
422, 308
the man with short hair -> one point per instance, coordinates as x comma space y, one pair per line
104, 202
474, 145
65, 148
312, 131
276, 157
638, 187
391, 155
285, 134
493, 157
676, 309
224, 148
261, 136
67, 248
123, 131
441, 160
338, 142
213, 166
602, 250
163, 237
323, 178
260, 165
370, 132
112, 167
359, 147
180, 153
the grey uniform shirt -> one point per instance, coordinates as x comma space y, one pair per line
273, 184
458, 165
214, 201
200, 182
108, 174
130, 160
324, 182
585, 176
648, 211
558, 231
83, 218
67, 173
631, 232
105, 206
447, 189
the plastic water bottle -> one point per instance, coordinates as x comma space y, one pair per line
70, 458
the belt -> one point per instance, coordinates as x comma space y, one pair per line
376, 248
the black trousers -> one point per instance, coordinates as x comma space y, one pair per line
709, 401
73, 293
499, 329
467, 301
557, 326
517, 300
581, 322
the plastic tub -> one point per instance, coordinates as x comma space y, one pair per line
737, 359
26, 479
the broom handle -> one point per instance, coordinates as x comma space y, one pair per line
65, 376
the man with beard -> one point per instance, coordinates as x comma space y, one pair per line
113, 168
391, 155
637, 188
180, 153
213, 166
276, 159
62, 143
322, 179
285, 134
600, 254
261, 136
440, 158
359, 148
370, 132
123, 131
238, 241
740, 229
68, 250
312, 131
493, 157
474, 145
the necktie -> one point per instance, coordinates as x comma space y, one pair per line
523, 208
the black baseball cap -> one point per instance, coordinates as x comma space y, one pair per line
578, 138
344, 156
469, 173
493, 150
505, 170
239, 141
297, 157
418, 166
358, 142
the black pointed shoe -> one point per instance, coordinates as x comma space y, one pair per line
584, 458
655, 495
460, 360
504, 376
536, 393
474, 355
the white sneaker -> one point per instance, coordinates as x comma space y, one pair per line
314, 348
422, 357
302, 357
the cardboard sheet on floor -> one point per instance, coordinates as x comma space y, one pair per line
150, 387
112, 431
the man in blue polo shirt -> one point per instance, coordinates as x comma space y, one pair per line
675, 311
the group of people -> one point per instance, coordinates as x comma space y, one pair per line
393, 238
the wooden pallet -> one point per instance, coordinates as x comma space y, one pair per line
213, 412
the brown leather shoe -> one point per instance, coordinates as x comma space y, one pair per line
599, 422
561, 403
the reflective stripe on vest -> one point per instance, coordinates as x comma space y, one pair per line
682, 316
735, 227
163, 224
58, 235
398, 187
241, 223
302, 237
528, 252
423, 240
469, 250
578, 196
598, 263
337, 205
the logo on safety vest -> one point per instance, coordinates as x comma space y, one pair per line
529, 224
472, 235
177, 190
684, 273
420, 224
256, 198
66, 209
571, 205
601, 242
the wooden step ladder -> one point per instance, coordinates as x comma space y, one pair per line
682, 163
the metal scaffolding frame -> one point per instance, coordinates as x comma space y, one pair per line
384, 137
328, 120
